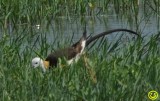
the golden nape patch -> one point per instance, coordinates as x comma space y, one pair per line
46, 64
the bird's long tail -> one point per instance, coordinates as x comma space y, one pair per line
91, 39
84, 33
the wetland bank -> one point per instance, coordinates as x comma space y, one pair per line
120, 66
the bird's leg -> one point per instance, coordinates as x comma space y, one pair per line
62, 62
91, 72
62, 65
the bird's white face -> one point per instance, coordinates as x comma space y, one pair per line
36, 62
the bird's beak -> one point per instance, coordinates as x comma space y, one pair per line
33, 66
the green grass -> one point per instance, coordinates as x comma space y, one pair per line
123, 70
127, 72
32, 12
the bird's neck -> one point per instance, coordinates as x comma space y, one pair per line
44, 65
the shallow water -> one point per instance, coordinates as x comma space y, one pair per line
147, 24
62, 29
98, 25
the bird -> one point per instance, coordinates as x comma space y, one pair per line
73, 52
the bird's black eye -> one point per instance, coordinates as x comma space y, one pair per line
36, 63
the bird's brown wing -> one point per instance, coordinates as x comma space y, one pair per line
67, 53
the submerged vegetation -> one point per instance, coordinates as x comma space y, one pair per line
110, 71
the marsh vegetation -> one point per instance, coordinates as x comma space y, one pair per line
120, 67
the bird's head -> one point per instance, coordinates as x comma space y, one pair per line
36, 62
